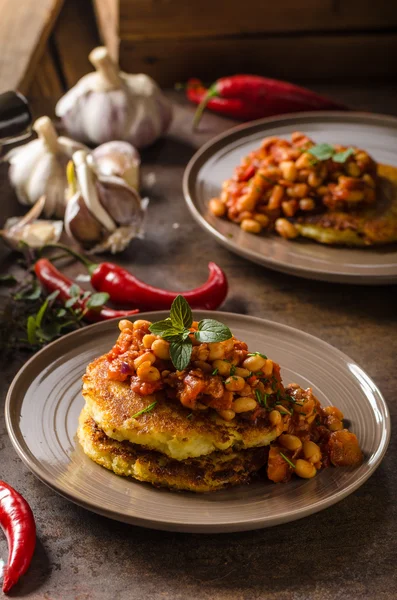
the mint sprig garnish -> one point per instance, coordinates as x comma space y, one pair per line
176, 330
325, 152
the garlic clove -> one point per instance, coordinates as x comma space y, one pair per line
118, 159
30, 230
121, 201
80, 224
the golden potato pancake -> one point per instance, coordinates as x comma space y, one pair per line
373, 225
205, 474
169, 427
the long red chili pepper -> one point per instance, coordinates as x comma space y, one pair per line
250, 97
53, 280
17, 522
124, 288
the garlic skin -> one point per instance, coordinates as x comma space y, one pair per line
111, 105
38, 168
118, 159
30, 230
105, 213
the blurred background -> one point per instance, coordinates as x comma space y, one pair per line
45, 43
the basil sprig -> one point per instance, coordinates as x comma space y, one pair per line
325, 152
176, 330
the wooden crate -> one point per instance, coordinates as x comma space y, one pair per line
311, 39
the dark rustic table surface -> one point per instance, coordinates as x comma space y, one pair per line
348, 551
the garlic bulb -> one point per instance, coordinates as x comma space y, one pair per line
111, 105
30, 230
119, 159
104, 213
38, 168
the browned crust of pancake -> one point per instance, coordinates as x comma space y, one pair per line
209, 473
113, 403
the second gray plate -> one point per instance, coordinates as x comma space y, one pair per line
44, 402
215, 162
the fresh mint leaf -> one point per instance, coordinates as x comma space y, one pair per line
96, 301
173, 335
180, 354
181, 313
322, 151
160, 327
210, 331
341, 157
74, 290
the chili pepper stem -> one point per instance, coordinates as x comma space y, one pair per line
212, 93
90, 265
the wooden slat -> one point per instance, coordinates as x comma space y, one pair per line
296, 57
107, 16
75, 35
46, 82
148, 19
24, 30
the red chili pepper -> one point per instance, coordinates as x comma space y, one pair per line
125, 288
17, 522
248, 97
53, 280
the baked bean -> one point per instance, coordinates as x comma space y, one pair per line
147, 372
314, 180
322, 190
334, 424
227, 415
242, 372
148, 340
146, 357
223, 367
268, 367
286, 229
275, 418
202, 352
216, 351
276, 197
307, 204
311, 452
217, 207
125, 324
289, 207
353, 169
304, 469
241, 405
334, 411
369, 180
251, 226
354, 196
291, 442
141, 324
262, 219
234, 383
299, 190
305, 161
254, 363
289, 170
246, 391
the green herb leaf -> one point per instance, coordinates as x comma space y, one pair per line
31, 330
181, 313
144, 410
180, 354
53, 296
161, 327
257, 354
40, 314
232, 370
74, 290
96, 301
211, 331
71, 302
322, 151
189, 416
215, 371
291, 464
341, 157
33, 293
61, 313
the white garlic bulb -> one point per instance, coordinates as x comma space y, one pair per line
38, 168
119, 159
104, 213
111, 105
30, 229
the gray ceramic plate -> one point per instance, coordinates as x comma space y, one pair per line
44, 402
215, 162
